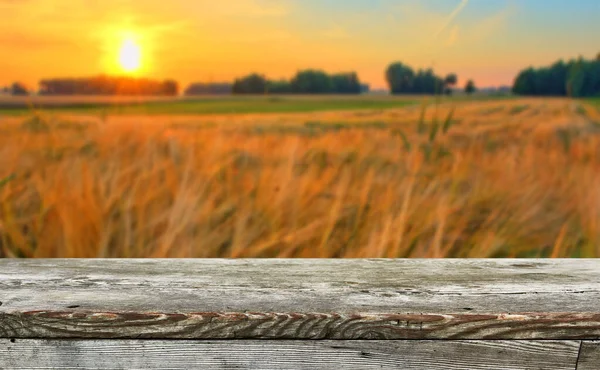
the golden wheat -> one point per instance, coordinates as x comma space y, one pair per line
509, 178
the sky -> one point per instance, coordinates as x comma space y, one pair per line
217, 40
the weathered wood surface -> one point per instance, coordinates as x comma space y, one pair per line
300, 299
589, 356
253, 354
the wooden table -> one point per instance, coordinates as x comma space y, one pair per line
308, 314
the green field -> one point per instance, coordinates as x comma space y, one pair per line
222, 105
15, 106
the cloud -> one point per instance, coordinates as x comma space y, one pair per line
491, 25
454, 31
452, 16
452, 36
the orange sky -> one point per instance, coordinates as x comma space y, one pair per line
202, 40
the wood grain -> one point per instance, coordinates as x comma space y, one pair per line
589, 356
252, 354
300, 299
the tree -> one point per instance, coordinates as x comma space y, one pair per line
402, 79
251, 84
106, 85
426, 82
212, 88
543, 81
584, 78
449, 82
308, 81
279, 87
595, 78
18, 88
312, 81
399, 78
576, 78
558, 76
346, 83
525, 82
470, 87
170, 88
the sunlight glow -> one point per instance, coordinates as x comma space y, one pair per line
130, 55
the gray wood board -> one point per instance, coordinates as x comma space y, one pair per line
300, 299
253, 354
589, 357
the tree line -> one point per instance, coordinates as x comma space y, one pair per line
402, 79
212, 88
575, 78
309, 81
100, 85
17, 89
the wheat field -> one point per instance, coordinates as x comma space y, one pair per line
518, 178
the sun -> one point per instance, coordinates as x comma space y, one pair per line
130, 55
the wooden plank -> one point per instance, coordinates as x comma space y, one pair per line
589, 356
252, 354
300, 299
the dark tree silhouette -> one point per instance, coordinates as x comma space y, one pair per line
449, 82
402, 79
312, 81
252, 84
525, 82
279, 87
199, 88
346, 83
399, 78
309, 81
470, 87
170, 88
426, 82
577, 78
17, 88
105, 85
